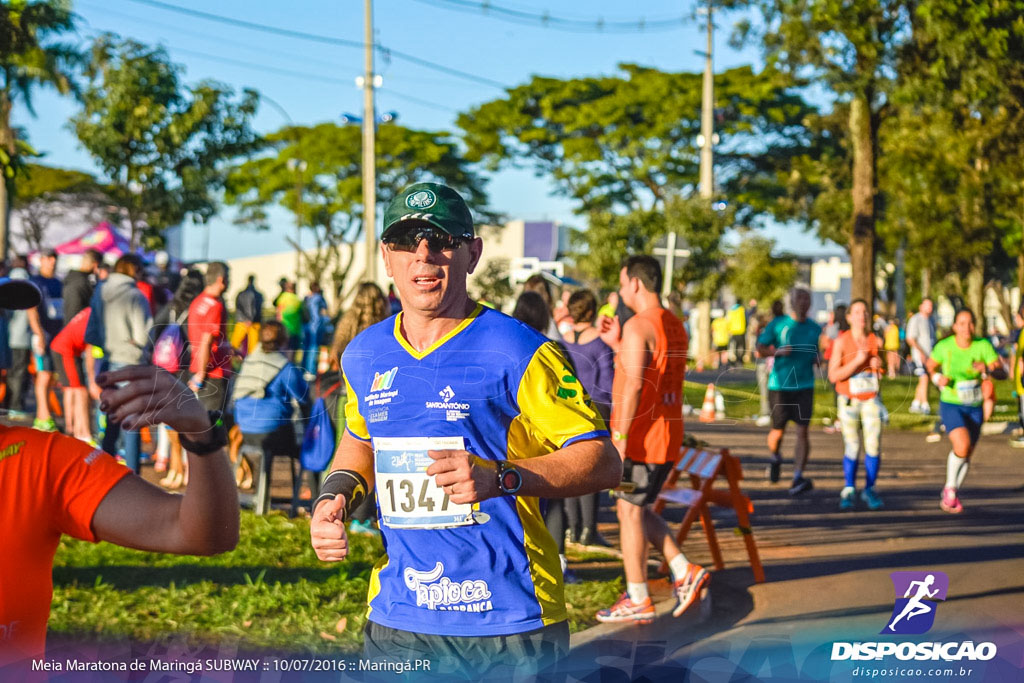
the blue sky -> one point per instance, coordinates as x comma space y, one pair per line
315, 82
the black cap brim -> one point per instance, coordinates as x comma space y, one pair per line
18, 294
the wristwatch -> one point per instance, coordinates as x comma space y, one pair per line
216, 438
509, 479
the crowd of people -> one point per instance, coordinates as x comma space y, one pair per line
456, 427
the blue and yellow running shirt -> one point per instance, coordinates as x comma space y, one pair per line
504, 392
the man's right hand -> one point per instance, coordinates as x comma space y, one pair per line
327, 530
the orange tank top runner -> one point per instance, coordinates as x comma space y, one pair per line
656, 432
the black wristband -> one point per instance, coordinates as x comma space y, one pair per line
217, 437
348, 483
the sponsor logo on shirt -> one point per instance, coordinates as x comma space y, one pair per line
454, 411
13, 449
437, 592
378, 415
383, 382
381, 392
91, 458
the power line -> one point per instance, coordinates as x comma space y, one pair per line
305, 75
314, 37
547, 20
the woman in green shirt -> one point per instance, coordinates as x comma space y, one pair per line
958, 365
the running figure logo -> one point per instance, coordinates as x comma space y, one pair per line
914, 613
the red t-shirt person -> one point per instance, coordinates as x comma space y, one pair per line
207, 315
71, 340
50, 484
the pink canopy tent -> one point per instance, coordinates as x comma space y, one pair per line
102, 237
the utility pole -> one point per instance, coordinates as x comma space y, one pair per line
369, 156
298, 166
702, 325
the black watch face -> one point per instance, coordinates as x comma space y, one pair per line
511, 480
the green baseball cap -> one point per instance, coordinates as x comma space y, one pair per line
433, 203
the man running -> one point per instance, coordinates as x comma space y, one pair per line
647, 430
921, 338
793, 342
460, 418
958, 365
53, 484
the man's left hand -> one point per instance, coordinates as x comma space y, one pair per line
463, 476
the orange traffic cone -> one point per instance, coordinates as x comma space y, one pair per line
707, 410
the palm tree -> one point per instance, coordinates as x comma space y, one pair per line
31, 55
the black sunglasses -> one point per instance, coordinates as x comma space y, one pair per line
437, 240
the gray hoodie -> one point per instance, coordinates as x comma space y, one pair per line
126, 319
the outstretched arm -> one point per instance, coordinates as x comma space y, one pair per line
137, 514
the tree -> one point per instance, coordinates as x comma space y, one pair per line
628, 142
44, 193
756, 274
325, 193
958, 144
164, 147
492, 284
31, 55
853, 47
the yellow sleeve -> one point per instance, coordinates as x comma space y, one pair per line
552, 402
354, 421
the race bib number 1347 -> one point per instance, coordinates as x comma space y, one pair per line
408, 497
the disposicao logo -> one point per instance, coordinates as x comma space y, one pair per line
383, 382
914, 612
917, 594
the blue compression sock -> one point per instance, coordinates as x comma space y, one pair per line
871, 464
850, 470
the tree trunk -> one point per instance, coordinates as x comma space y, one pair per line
1020, 275
862, 236
926, 282
976, 292
5, 214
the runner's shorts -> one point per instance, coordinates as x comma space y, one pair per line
70, 370
533, 655
955, 416
648, 478
795, 406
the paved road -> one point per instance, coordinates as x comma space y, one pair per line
828, 572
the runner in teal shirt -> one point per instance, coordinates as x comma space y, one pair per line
792, 342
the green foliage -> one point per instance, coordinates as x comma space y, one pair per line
163, 146
628, 142
325, 191
598, 250
492, 284
702, 274
756, 274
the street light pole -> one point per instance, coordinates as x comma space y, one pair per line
702, 325
369, 156
298, 166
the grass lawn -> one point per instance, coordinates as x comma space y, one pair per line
269, 593
742, 401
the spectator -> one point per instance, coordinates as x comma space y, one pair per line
315, 322
737, 317
210, 364
78, 284
190, 286
267, 384
126, 322
594, 362
394, 303
289, 314
75, 371
537, 283
19, 341
46, 320
248, 317
892, 348
921, 339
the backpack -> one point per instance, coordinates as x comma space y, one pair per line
318, 441
171, 346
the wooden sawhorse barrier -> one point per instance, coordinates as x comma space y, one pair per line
703, 468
